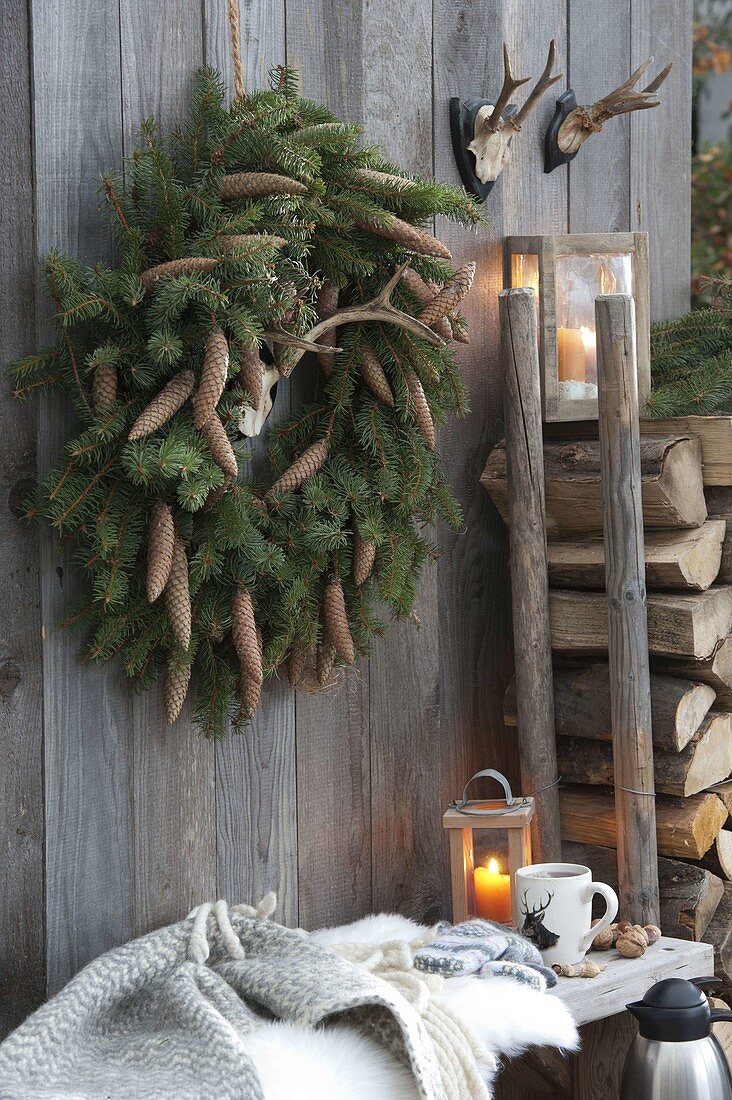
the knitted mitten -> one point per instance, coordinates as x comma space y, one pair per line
475, 946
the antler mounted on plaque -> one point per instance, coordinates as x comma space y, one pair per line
485, 128
573, 124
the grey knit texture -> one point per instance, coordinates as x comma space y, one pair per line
144, 1022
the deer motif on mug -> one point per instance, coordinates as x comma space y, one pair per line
532, 925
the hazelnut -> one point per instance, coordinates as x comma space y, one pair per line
557, 968
653, 932
631, 945
604, 941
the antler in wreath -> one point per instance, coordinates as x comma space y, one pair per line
379, 308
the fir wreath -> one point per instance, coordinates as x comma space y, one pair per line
260, 220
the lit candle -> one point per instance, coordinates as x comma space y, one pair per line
589, 342
570, 355
492, 893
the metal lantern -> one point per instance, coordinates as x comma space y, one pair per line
567, 273
487, 890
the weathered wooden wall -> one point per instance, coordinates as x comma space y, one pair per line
110, 823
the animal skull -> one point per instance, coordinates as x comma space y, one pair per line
251, 420
494, 127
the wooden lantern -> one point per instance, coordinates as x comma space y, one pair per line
464, 817
567, 273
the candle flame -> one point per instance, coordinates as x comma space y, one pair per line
493, 866
588, 337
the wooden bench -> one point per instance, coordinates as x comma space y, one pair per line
598, 1006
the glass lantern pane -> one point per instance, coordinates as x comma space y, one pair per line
578, 281
491, 879
525, 271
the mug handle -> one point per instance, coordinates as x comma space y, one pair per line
611, 901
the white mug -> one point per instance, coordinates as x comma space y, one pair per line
554, 905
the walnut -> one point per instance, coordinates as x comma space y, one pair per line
632, 944
623, 926
641, 932
604, 941
653, 932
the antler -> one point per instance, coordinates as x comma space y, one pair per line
377, 309
586, 120
491, 132
493, 123
544, 82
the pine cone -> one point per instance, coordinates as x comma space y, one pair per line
459, 328
216, 494
244, 243
214, 432
370, 174
325, 661
335, 621
409, 236
177, 679
177, 596
364, 555
250, 691
302, 468
325, 306
104, 389
424, 293
188, 265
420, 409
244, 635
373, 375
160, 540
165, 405
296, 662
254, 185
213, 376
250, 374
450, 296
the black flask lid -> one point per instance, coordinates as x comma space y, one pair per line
673, 1011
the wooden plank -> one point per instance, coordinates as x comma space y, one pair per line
689, 893
672, 488
599, 36
715, 436
174, 813
678, 624
530, 601
685, 827
334, 725
256, 795
22, 975
673, 559
724, 791
660, 143
87, 758
582, 706
706, 760
627, 625
628, 979
474, 626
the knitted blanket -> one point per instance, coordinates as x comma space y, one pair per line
168, 1014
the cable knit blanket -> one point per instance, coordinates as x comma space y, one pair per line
168, 1015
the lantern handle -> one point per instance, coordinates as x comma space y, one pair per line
513, 804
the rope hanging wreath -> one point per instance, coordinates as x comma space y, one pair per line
260, 233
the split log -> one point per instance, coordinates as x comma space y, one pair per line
715, 670
689, 893
582, 706
672, 489
714, 434
679, 624
674, 559
724, 791
719, 933
718, 859
685, 827
705, 760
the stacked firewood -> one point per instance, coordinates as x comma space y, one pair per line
689, 600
